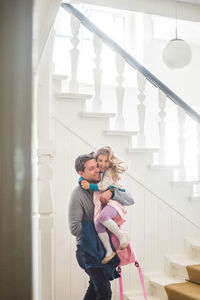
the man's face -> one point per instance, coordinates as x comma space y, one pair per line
91, 172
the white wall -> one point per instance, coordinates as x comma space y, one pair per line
190, 11
184, 82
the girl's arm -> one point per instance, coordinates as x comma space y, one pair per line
123, 198
106, 182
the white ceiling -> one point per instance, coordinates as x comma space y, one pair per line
197, 2
190, 9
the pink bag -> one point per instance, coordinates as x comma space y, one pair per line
127, 256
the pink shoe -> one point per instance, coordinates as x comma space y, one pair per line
123, 246
123, 243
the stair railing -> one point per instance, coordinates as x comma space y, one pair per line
143, 75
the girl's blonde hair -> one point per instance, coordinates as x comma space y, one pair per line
115, 162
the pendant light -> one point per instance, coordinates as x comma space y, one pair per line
177, 53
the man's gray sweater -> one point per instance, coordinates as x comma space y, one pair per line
81, 208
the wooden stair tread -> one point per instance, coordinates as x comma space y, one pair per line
120, 132
183, 291
184, 182
194, 198
194, 273
59, 77
160, 167
162, 279
182, 260
136, 297
91, 114
143, 150
72, 96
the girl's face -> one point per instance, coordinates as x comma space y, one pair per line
103, 162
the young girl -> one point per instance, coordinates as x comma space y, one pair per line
110, 167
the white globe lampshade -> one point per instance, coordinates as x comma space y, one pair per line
177, 54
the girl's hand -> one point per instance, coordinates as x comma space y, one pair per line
105, 197
85, 185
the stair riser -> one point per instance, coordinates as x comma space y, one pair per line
194, 273
159, 172
158, 291
179, 271
75, 120
175, 269
58, 83
57, 86
195, 253
88, 132
135, 297
139, 161
68, 110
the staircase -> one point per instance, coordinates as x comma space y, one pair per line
186, 290
71, 108
164, 223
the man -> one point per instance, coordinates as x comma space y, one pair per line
81, 209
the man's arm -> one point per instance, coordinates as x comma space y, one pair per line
75, 214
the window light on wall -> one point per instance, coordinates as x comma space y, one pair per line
112, 21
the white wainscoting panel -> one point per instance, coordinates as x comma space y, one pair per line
155, 229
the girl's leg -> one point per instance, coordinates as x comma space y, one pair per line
105, 218
108, 212
104, 237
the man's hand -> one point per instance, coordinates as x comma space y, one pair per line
85, 184
105, 197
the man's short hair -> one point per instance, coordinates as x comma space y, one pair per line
81, 160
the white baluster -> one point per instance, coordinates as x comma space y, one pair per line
119, 122
141, 81
43, 213
162, 126
45, 209
196, 187
74, 52
181, 142
97, 73
198, 145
